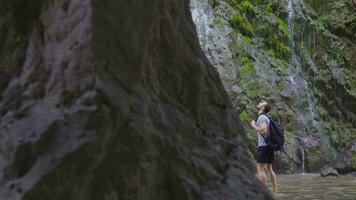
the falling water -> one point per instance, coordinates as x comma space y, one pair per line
290, 21
290, 10
302, 160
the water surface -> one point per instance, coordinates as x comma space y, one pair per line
315, 187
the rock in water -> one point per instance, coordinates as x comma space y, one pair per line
329, 172
114, 100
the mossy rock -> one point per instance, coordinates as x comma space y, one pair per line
347, 162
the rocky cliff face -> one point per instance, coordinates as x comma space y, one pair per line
114, 100
297, 54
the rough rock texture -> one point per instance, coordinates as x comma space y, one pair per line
313, 155
107, 99
329, 172
299, 55
214, 38
347, 162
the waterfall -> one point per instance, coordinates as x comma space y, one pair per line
290, 10
290, 21
302, 160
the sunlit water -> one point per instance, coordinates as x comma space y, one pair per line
315, 187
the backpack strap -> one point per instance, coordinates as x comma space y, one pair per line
265, 114
265, 138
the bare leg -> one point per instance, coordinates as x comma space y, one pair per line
261, 173
273, 177
265, 169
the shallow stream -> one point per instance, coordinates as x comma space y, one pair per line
315, 187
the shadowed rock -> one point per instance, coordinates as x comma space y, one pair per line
347, 161
114, 100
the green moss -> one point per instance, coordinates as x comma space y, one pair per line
282, 49
249, 68
262, 52
213, 3
322, 111
241, 23
353, 159
289, 135
245, 5
269, 7
329, 153
233, 3
219, 22
244, 116
350, 81
338, 135
283, 27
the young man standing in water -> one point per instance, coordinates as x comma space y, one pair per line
264, 155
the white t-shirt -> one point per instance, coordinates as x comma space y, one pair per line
262, 119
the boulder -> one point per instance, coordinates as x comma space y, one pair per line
329, 172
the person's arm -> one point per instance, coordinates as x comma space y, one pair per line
262, 128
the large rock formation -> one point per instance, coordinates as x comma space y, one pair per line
104, 99
298, 54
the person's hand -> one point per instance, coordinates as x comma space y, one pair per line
253, 123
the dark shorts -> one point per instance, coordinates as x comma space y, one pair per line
264, 155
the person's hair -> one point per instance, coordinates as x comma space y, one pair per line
267, 107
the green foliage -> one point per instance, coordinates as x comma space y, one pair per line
219, 22
289, 135
269, 8
350, 82
324, 75
213, 3
342, 17
245, 5
283, 27
322, 112
353, 159
241, 23
283, 49
233, 3
257, 19
326, 19
249, 67
329, 153
338, 135
244, 116
262, 51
